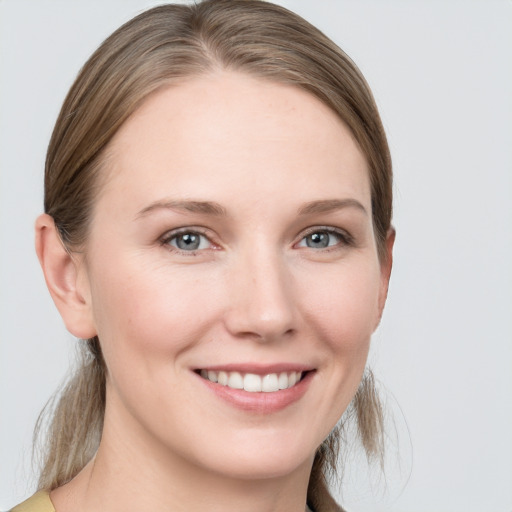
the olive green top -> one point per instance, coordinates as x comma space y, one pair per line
40, 502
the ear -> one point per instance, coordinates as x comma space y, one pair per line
385, 270
64, 275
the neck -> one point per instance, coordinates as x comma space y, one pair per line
128, 474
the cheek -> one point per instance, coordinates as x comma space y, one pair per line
340, 308
146, 313
342, 305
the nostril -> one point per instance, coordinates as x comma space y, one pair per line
260, 308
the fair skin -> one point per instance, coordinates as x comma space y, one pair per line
233, 233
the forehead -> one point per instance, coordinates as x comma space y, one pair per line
228, 133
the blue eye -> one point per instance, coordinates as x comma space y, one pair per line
323, 238
188, 241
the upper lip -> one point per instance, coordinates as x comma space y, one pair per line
258, 369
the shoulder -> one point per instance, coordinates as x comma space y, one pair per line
39, 502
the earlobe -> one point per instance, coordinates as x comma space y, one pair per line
62, 274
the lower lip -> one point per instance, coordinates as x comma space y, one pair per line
260, 402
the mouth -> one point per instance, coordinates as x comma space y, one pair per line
257, 389
252, 382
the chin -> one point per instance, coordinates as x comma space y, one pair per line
262, 459
273, 467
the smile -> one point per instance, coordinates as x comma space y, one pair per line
252, 382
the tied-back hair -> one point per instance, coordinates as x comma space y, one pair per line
163, 46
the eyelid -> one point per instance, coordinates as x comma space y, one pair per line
165, 239
347, 238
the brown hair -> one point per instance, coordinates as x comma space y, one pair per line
166, 45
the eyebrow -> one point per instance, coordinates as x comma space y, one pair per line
215, 209
330, 205
203, 207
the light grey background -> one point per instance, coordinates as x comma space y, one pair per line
441, 73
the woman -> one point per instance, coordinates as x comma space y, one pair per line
217, 231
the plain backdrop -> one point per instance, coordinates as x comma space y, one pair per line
442, 76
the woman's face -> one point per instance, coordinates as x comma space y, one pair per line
232, 241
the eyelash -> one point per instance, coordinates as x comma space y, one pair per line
345, 239
166, 240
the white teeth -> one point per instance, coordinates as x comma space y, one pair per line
223, 378
270, 383
252, 382
283, 380
235, 380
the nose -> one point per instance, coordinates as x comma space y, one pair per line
261, 299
